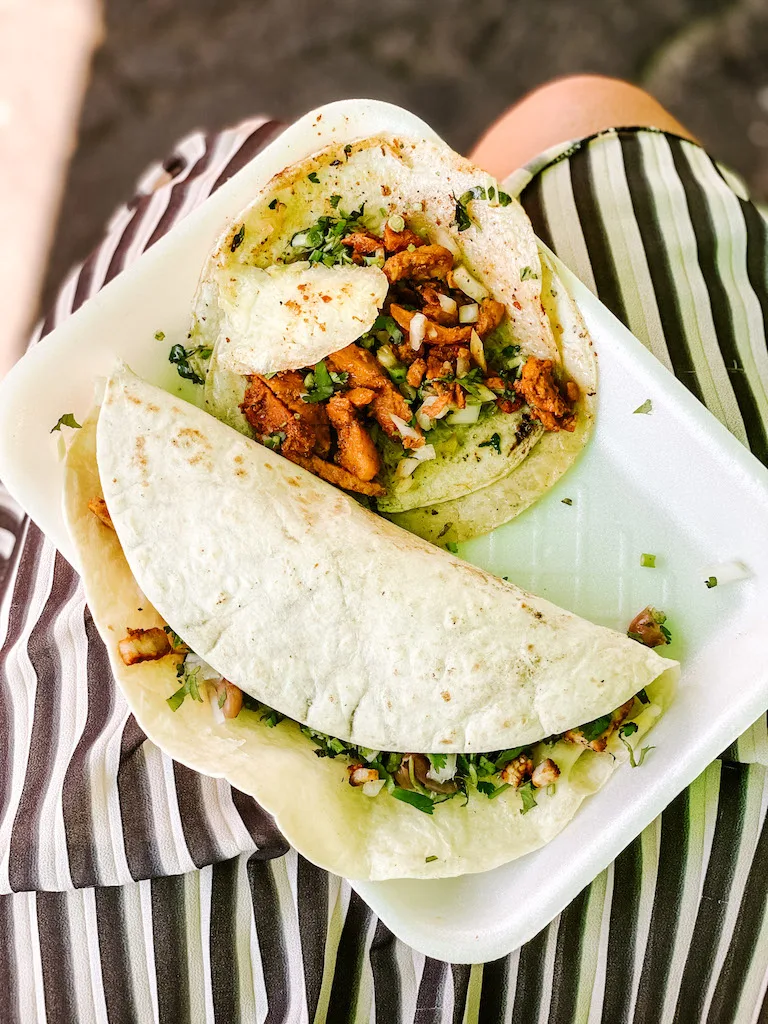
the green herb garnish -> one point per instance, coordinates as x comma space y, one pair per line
462, 218
273, 204
189, 687
273, 441
322, 383
452, 547
188, 361
711, 582
322, 242
347, 150
222, 697
504, 199
528, 796
629, 730
595, 728
494, 441
175, 639
527, 274
645, 408
314, 178
67, 420
237, 239
648, 561
428, 860
567, 501
335, 200
417, 800
643, 697
159, 335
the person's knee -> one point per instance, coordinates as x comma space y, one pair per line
563, 109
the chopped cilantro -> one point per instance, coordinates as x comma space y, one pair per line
643, 697
347, 150
222, 697
648, 561
711, 582
438, 761
477, 192
645, 408
417, 800
237, 239
314, 178
273, 204
494, 441
462, 218
628, 730
67, 420
486, 788
159, 335
504, 199
428, 860
491, 193
272, 718
567, 501
322, 242
510, 351
527, 274
188, 360
335, 200
321, 383
452, 547
175, 639
528, 796
595, 728
666, 632
189, 687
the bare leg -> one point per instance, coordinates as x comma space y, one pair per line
565, 109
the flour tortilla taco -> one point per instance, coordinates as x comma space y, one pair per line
400, 712
381, 315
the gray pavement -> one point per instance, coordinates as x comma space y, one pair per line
167, 66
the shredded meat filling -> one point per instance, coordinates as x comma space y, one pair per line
268, 415
397, 241
288, 386
428, 261
357, 453
538, 387
600, 742
337, 475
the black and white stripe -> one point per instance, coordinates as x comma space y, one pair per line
134, 890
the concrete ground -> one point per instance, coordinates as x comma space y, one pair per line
167, 66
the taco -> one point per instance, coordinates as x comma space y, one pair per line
400, 712
381, 316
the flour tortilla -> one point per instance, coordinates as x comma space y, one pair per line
324, 818
422, 180
330, 614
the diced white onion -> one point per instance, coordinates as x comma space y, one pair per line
476, 350
373, 788
447, 304
387, 357
425, 453
727, 572
299, 241
406, 467
427, 405
423, 420
396, 223
469, 414
417, 330
443, 774
463, 280
462, 364
468, 314
194, 661
404, 429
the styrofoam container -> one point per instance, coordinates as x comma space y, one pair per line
673, 483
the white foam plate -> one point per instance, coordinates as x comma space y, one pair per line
674, 483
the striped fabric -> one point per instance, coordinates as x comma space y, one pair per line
133, 890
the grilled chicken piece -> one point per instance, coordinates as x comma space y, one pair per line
428, 261
397, 241
416, 372
438, 315
545, 774
267, 414
360, 397
362, 244
99, 508
538, 387
288, 386
490, 316
435, 333
233, 700
359, 774
600, 742
518, 770
337, 475
441, 361
365, 372
646, 627
144, 645
357, 453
